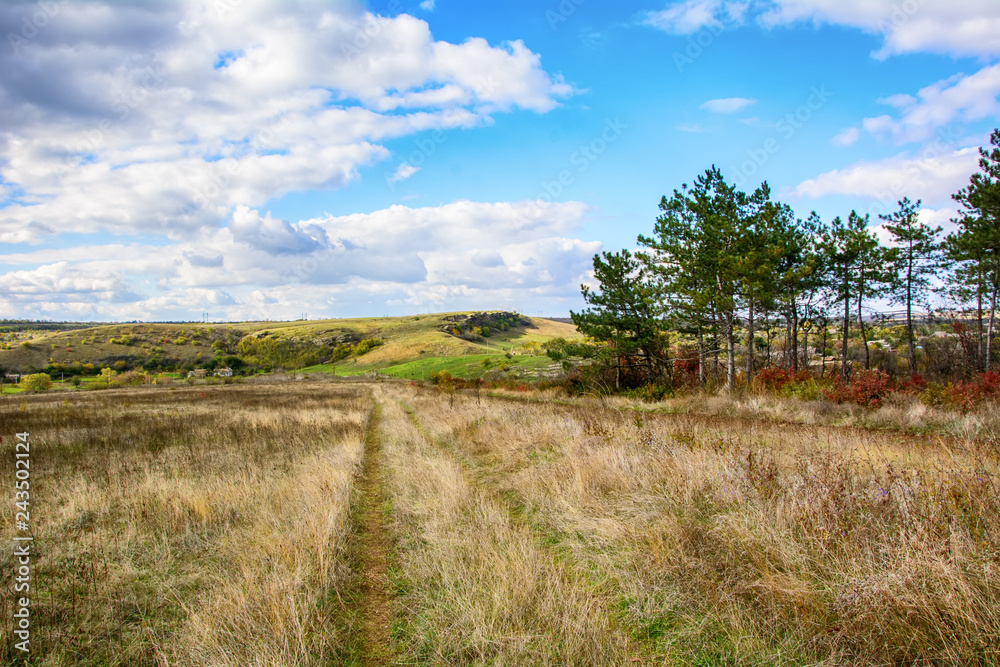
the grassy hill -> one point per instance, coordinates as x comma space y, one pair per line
408, 345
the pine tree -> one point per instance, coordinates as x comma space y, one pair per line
874, 271
978, 240
696, 254
917, 260
625, 312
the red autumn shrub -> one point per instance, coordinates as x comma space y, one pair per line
871, 387
868, 389
965, 395
912, 385
771, 379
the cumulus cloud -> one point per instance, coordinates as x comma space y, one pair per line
165, 118
690, 16
957, 27
934, 176
273, 236
261, 267
961, 98
847, 137
403, 172
727, 104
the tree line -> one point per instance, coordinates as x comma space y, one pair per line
719, 262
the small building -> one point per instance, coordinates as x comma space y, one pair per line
197, 373
224, 372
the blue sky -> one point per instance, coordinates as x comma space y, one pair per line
256, 160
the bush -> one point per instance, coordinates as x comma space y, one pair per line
441, 377
806, 390
36, 382
868, 389
966, 395
771, 379
651, 393
131, 378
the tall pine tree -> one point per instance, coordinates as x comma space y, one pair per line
917, 261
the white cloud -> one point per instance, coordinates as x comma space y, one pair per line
933, 176
273, 236
847, 137
932, 218
690, 16
427, 5
166, 118
261, 267
728, 104
960, 98
403, 172
956, 27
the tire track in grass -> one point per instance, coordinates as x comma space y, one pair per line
544, 538
369, 556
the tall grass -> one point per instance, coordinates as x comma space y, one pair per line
475, 586
196, 526
740, 542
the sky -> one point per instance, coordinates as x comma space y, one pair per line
246, 160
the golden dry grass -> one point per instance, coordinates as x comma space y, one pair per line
187, 527
476, 586
220, 526
735, 541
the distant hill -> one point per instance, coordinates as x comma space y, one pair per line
278, 344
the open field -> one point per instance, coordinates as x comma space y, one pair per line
385, 523
410, 339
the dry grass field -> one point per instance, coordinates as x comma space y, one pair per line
373, 524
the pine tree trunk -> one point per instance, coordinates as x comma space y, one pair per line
767, 328
981, 361
618, 363
912, 356
730, 351
822, 370
864, 335
701, 356
795, 338
847, 322
785, 361
715, 345
749, 372
989, 335
805, 349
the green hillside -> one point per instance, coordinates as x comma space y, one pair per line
354, 345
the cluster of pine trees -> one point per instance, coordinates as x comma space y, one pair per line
720, 261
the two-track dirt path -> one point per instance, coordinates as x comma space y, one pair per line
370, 555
